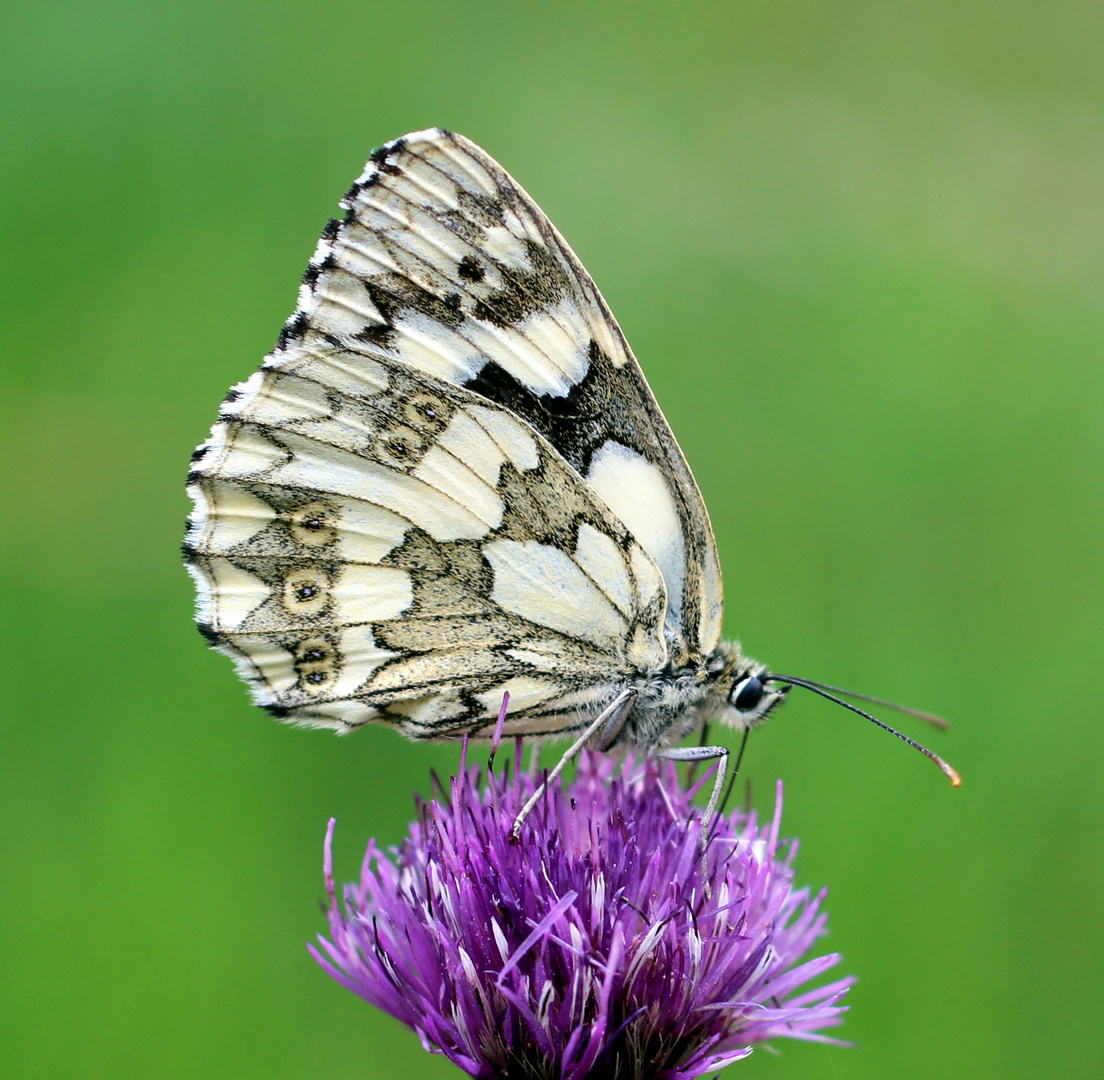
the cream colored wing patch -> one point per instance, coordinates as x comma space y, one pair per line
369, 542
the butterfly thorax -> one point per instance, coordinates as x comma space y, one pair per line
672, 703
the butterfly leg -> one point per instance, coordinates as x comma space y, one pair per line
616, 721
703, 753
613, 716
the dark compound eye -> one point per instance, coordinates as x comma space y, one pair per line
747, 694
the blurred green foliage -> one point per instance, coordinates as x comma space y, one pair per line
859, 250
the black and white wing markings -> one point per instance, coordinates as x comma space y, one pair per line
444, 264
450, 480
372, 543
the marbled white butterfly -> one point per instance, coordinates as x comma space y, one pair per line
450, 481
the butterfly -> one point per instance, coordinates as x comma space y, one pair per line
450, 482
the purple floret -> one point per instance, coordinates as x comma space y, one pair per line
593, 947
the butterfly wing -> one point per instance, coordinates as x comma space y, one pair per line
445, 265
370, 542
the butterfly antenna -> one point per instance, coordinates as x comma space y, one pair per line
947, 770
920, 714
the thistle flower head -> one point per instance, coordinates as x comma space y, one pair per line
598, 944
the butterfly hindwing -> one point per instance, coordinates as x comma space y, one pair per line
370, 542
444, 265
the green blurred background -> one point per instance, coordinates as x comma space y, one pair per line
859, 250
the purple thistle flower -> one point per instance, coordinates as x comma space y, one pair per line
594, 947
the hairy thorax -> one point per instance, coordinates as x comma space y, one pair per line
673, 703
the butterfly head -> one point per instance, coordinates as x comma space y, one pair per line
749, 693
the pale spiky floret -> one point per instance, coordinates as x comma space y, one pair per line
596, 946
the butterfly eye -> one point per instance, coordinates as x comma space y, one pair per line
747, 694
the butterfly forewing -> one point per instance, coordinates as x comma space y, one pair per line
443, 262
450, 478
